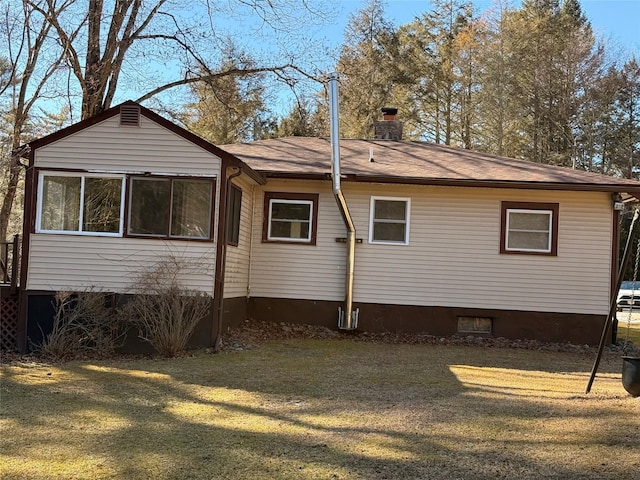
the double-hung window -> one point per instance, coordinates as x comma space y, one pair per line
529, 228
290, 217
87, 204
170, 207
389, 220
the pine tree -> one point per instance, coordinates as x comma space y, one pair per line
439, 65
228, 110
368, 69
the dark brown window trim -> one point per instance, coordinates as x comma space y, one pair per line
309, 197
127, 206
234, 215
553, 207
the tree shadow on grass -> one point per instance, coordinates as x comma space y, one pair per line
297, 410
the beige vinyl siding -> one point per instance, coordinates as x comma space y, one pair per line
73, 263
107, 146
453, 257
236, 280
296, 270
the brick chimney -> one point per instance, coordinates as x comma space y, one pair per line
388, 128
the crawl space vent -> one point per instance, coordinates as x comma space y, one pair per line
475, 325
130, 116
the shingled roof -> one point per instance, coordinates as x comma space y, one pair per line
415, 163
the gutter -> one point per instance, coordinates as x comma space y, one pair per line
347, 318
443, 182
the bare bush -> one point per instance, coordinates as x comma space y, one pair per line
83, 323
166, 312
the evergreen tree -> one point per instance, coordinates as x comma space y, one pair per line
626, 117
304, 120
228, 110
369, 70
498, 132
439, 65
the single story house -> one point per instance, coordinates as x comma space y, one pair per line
447, 240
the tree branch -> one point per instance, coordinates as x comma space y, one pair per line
242, 72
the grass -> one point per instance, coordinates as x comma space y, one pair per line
321, 409
630, 331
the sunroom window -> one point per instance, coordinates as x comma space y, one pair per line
529, 228
389, 220
84, 203
290, 217
170, 208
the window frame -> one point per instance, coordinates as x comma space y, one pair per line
168, 235
83, 176
234, 216
551, 209
372, 220
288, 197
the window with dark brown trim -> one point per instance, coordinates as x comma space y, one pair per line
290, 217
180, 208
529, 228
234, 209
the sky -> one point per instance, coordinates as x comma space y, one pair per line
616, 21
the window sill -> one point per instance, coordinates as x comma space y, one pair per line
289, 242
79, 234
179, 239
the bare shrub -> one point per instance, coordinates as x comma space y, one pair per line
83, 323
166, 312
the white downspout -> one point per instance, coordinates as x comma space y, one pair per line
347, 318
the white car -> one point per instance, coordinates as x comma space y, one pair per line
629, 290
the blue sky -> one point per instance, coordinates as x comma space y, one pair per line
616, 21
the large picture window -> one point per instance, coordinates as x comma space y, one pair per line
170, 207
529, 228
89, 204
389, 220
290, 217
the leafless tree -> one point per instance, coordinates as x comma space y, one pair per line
87, 51
134, 35
29, 68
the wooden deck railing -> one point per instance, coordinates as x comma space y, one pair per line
9, 262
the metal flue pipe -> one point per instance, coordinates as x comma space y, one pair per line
347, 317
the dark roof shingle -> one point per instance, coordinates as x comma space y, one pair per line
414, 162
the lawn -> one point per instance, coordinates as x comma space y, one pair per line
628, 331
321, 409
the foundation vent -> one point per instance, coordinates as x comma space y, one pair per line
482, 325
130, 116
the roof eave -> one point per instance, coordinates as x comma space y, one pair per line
448, 182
